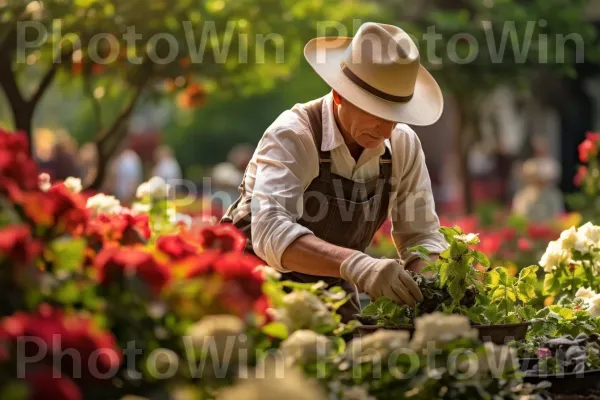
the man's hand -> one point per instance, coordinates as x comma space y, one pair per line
418, 264
381, 277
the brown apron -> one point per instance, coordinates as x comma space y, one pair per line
337, 210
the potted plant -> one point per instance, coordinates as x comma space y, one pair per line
495, 302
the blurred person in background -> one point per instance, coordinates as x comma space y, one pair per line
166, 165
540, 199
125, 174
58, 155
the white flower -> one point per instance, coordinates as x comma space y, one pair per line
222, 335
73, 184
554, 256
44, 182
440, 328
156, 187
591, 233
305, 346
267, 272
498, 359
570, 238
304, 310
103, 204
141, 208
290, 384
594, 306
470, 238
378, 345
585, 293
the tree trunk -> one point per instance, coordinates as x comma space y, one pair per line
23, 121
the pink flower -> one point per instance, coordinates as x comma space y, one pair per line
524, 244
587, 150
543, 353
581, 175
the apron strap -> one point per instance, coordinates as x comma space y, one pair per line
314, 109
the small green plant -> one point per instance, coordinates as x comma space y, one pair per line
505, 298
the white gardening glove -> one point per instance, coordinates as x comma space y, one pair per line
381, 277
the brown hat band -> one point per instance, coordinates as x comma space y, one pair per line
385, 96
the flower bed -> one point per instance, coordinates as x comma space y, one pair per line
102, 301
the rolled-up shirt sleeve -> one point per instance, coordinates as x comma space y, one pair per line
286, 163
414, 220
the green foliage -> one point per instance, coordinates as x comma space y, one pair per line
456, 265
387, 312
506, 297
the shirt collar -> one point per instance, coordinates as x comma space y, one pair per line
333, 138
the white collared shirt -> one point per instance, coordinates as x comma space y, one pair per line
286, 161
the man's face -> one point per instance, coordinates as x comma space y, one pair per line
366, 130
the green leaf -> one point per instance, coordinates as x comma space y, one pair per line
551, 284
455, 290
276, 329
419, 249
529, 273
492, 278
444, 269
69, 253
449, 233
481, 259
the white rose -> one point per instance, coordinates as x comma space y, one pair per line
44, 182
470, 238
156, 187
594, 306
267, 272
554, 256
304, 310
585, 293
73, 184
219, 334
498, 359
441, 328
589, 236
305, 346
290, 384
103, 204
377, 345
569, 239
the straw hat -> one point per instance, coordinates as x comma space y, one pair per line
379, 71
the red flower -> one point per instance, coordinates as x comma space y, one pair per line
58, 208
524, 244
224, 237
124, 228
541, 232
240, 291
17, 244
50, 333
593, 137
581, 175
176, 247
43, 385
114, 263
587, 150
18, 171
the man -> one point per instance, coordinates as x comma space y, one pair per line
328, 173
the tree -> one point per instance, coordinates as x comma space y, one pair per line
144, 50
483, 44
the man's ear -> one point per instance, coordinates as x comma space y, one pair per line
336, 97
